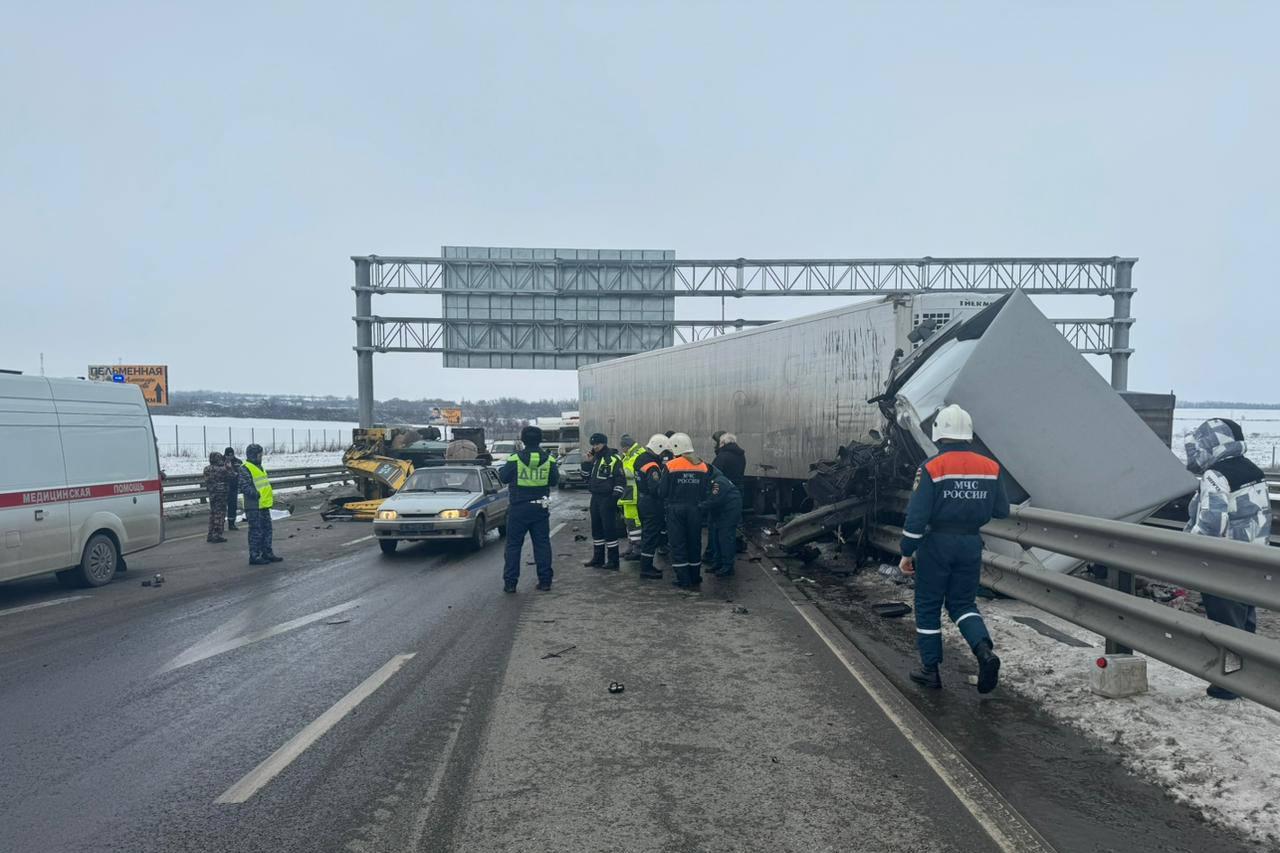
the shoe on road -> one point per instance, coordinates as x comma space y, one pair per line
509, 587
215, 539
258, 561
654, 575
544, 586
1216, 692
927, 676
232, 527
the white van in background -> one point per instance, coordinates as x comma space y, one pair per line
79, 478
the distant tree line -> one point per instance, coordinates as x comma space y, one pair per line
500, 417
1225, 404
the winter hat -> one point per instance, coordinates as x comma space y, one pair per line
626, 440
599, 438
531, 435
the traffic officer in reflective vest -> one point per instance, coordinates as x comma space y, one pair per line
529, 476
686, 484
631, 451
956, 492
607, 484
649, 470
258, 500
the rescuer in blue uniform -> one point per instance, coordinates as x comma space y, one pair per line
956, 492
529, 475
649, 470
723, 508
683, 487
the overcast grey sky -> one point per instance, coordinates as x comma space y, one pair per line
184, 183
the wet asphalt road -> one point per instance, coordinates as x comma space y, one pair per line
130, 711
114, 741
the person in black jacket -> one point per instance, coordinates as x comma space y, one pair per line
649, 470
731, 459
530, 475
607, 482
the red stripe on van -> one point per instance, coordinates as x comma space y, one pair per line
77, 493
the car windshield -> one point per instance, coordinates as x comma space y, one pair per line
572, 458
504, 447
443, 480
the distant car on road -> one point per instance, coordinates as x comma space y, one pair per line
571, 476
449, 502
500, 450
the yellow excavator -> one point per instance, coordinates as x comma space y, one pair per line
382, 458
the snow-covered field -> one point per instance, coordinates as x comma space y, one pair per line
185, 441
1261, 429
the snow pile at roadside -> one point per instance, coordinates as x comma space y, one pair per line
1222, 758
180, 466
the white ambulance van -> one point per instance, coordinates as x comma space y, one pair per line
79, 478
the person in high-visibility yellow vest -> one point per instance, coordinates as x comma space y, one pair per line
530, 476
255, 486
630, 500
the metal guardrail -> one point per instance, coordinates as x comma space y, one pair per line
1237, 660
190, 487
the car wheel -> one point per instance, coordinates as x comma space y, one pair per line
388, 546
478, 532
98, 562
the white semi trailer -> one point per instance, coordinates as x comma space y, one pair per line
795, 391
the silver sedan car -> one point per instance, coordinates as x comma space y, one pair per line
452, 501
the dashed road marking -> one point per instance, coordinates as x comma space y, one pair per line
276, 762
557, 528
361, 539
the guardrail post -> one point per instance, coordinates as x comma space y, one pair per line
204, 437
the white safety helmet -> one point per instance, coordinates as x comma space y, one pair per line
681, 444
658, 443
952, 423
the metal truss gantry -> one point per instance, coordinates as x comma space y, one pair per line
735, 278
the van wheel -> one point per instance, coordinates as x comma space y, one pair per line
388, 546
98, 563
479, 532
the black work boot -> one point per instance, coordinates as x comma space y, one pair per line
612, 562
647, 569
508, 587
597, 558
988, 667
927, 676
633, 554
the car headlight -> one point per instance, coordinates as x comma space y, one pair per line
456, 513
387, 515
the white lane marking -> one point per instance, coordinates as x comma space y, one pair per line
277, 761
207, 649
361, 539
557, 528
40, 604
981, 814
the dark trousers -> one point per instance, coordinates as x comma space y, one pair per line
722, 537
652, 520
948, 570
684, 535
232, 506
1237, 614
536, 521
259, 532
604, 521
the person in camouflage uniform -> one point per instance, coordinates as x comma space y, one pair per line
215, 483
